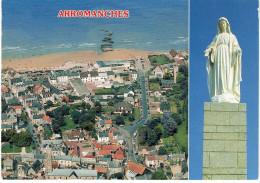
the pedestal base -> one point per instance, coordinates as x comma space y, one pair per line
224, 141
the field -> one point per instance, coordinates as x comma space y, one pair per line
159, 59
11, 149
182, 137
69, 124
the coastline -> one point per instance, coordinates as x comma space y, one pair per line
87, 56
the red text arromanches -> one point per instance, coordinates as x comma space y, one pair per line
94, 13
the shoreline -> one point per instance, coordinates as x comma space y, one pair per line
86, 56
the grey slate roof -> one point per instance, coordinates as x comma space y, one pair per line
103, 134
79, 173
16, 80
125, 105
85, 74
167, 82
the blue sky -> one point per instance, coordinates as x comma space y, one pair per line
243, 18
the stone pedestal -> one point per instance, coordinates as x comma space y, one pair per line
224, 141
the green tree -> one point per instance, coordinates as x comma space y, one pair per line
49, 103
7, 135
110, 102
47, 133
4, 105
169, 124
75, 116
177, 118
119, 120
159, 175
88, 106
131, 117
162, 151
158, 131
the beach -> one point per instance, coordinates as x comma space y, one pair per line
88, 57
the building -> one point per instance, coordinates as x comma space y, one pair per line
123, 107
79, 87
104, 66
68, 174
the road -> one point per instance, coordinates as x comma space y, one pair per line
128, 131
37, 151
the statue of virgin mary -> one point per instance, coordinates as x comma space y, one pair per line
224, 65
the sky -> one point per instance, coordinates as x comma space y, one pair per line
243, 19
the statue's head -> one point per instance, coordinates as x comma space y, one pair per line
223, 25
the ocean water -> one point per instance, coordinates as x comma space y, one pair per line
31, 27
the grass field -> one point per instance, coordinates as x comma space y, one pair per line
103, 91
28, 149
159, 59
11, 149
69, 124
154, 86
157, 115
108, 108
136, 113
182, 137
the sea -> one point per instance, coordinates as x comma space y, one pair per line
32, 28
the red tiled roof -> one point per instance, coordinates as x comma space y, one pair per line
113, 130
74, 134
89, 156
37, 87
135, 167
74, 152
110, 135
55, 164
108, 121
101, 169
98, 145
71, 144
111, 147
46, 118
150, 157
17, 107
114, 141
4, 89
104, 152
94, 141
118, 155
65, 98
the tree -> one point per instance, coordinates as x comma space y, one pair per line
22, 139
119, 120
88, 106
75, 116
131, 117
151, 137
87, 126
110, 102
4, 106
7, 135
159, 175
167, 76
97, 104
162, 151
117, 175
50, 114
61, 122
177, 118
158, 131
49, 103
169, 124
47, 133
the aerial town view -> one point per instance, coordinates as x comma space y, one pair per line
108, 112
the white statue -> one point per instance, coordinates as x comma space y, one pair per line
224, 65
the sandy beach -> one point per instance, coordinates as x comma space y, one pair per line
89, 56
